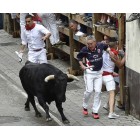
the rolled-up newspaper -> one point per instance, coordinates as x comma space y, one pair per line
90, 67
19, 56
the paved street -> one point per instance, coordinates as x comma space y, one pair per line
12, 112
9, 69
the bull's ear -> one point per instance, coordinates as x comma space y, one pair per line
72, 77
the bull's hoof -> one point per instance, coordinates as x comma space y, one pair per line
48, 119
66, 121
27, 108
38, 115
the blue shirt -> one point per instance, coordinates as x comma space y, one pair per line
94, 57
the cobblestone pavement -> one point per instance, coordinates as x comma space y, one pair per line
10, 67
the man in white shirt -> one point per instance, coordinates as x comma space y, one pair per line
108, 79
34, 35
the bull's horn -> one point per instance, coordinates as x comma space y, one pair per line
72, 77
49, 78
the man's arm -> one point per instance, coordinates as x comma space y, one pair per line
82, 65
119, 63
22, 49
46, 36
46, 33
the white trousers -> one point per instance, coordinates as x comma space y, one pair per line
37, 57
93, 82
108, 81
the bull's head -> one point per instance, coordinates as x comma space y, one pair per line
60, 84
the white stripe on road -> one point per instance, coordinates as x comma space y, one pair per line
25, 95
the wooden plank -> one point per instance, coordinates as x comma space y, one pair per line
80, 39
106, 31
121, 21
74, 64
98, 35
79, 19
64, 30
64, 48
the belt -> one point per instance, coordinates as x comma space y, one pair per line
107, 73
37, 50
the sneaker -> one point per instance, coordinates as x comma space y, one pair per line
106, 107
113, 116
85, 111
133, 16
95, 115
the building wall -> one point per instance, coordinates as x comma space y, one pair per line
1, 21
133, 65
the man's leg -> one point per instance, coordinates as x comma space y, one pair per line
111, 101
110, 86
88, 78
42, 58
97, 87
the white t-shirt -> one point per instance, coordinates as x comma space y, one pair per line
108, 64
34, 37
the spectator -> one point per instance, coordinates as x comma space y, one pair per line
77, 29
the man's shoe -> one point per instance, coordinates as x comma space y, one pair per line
113, 116
85, 111
95, 115
106, 107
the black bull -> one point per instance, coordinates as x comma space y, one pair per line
48, 84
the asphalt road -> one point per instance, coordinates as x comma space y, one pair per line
12, 100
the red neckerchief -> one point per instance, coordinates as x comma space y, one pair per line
30, 27
114, 51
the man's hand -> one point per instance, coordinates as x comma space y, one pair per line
46, 36
83, 67
113, 56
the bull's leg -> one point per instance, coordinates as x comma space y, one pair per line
45, 107
60, 109
27, 106
37, 113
